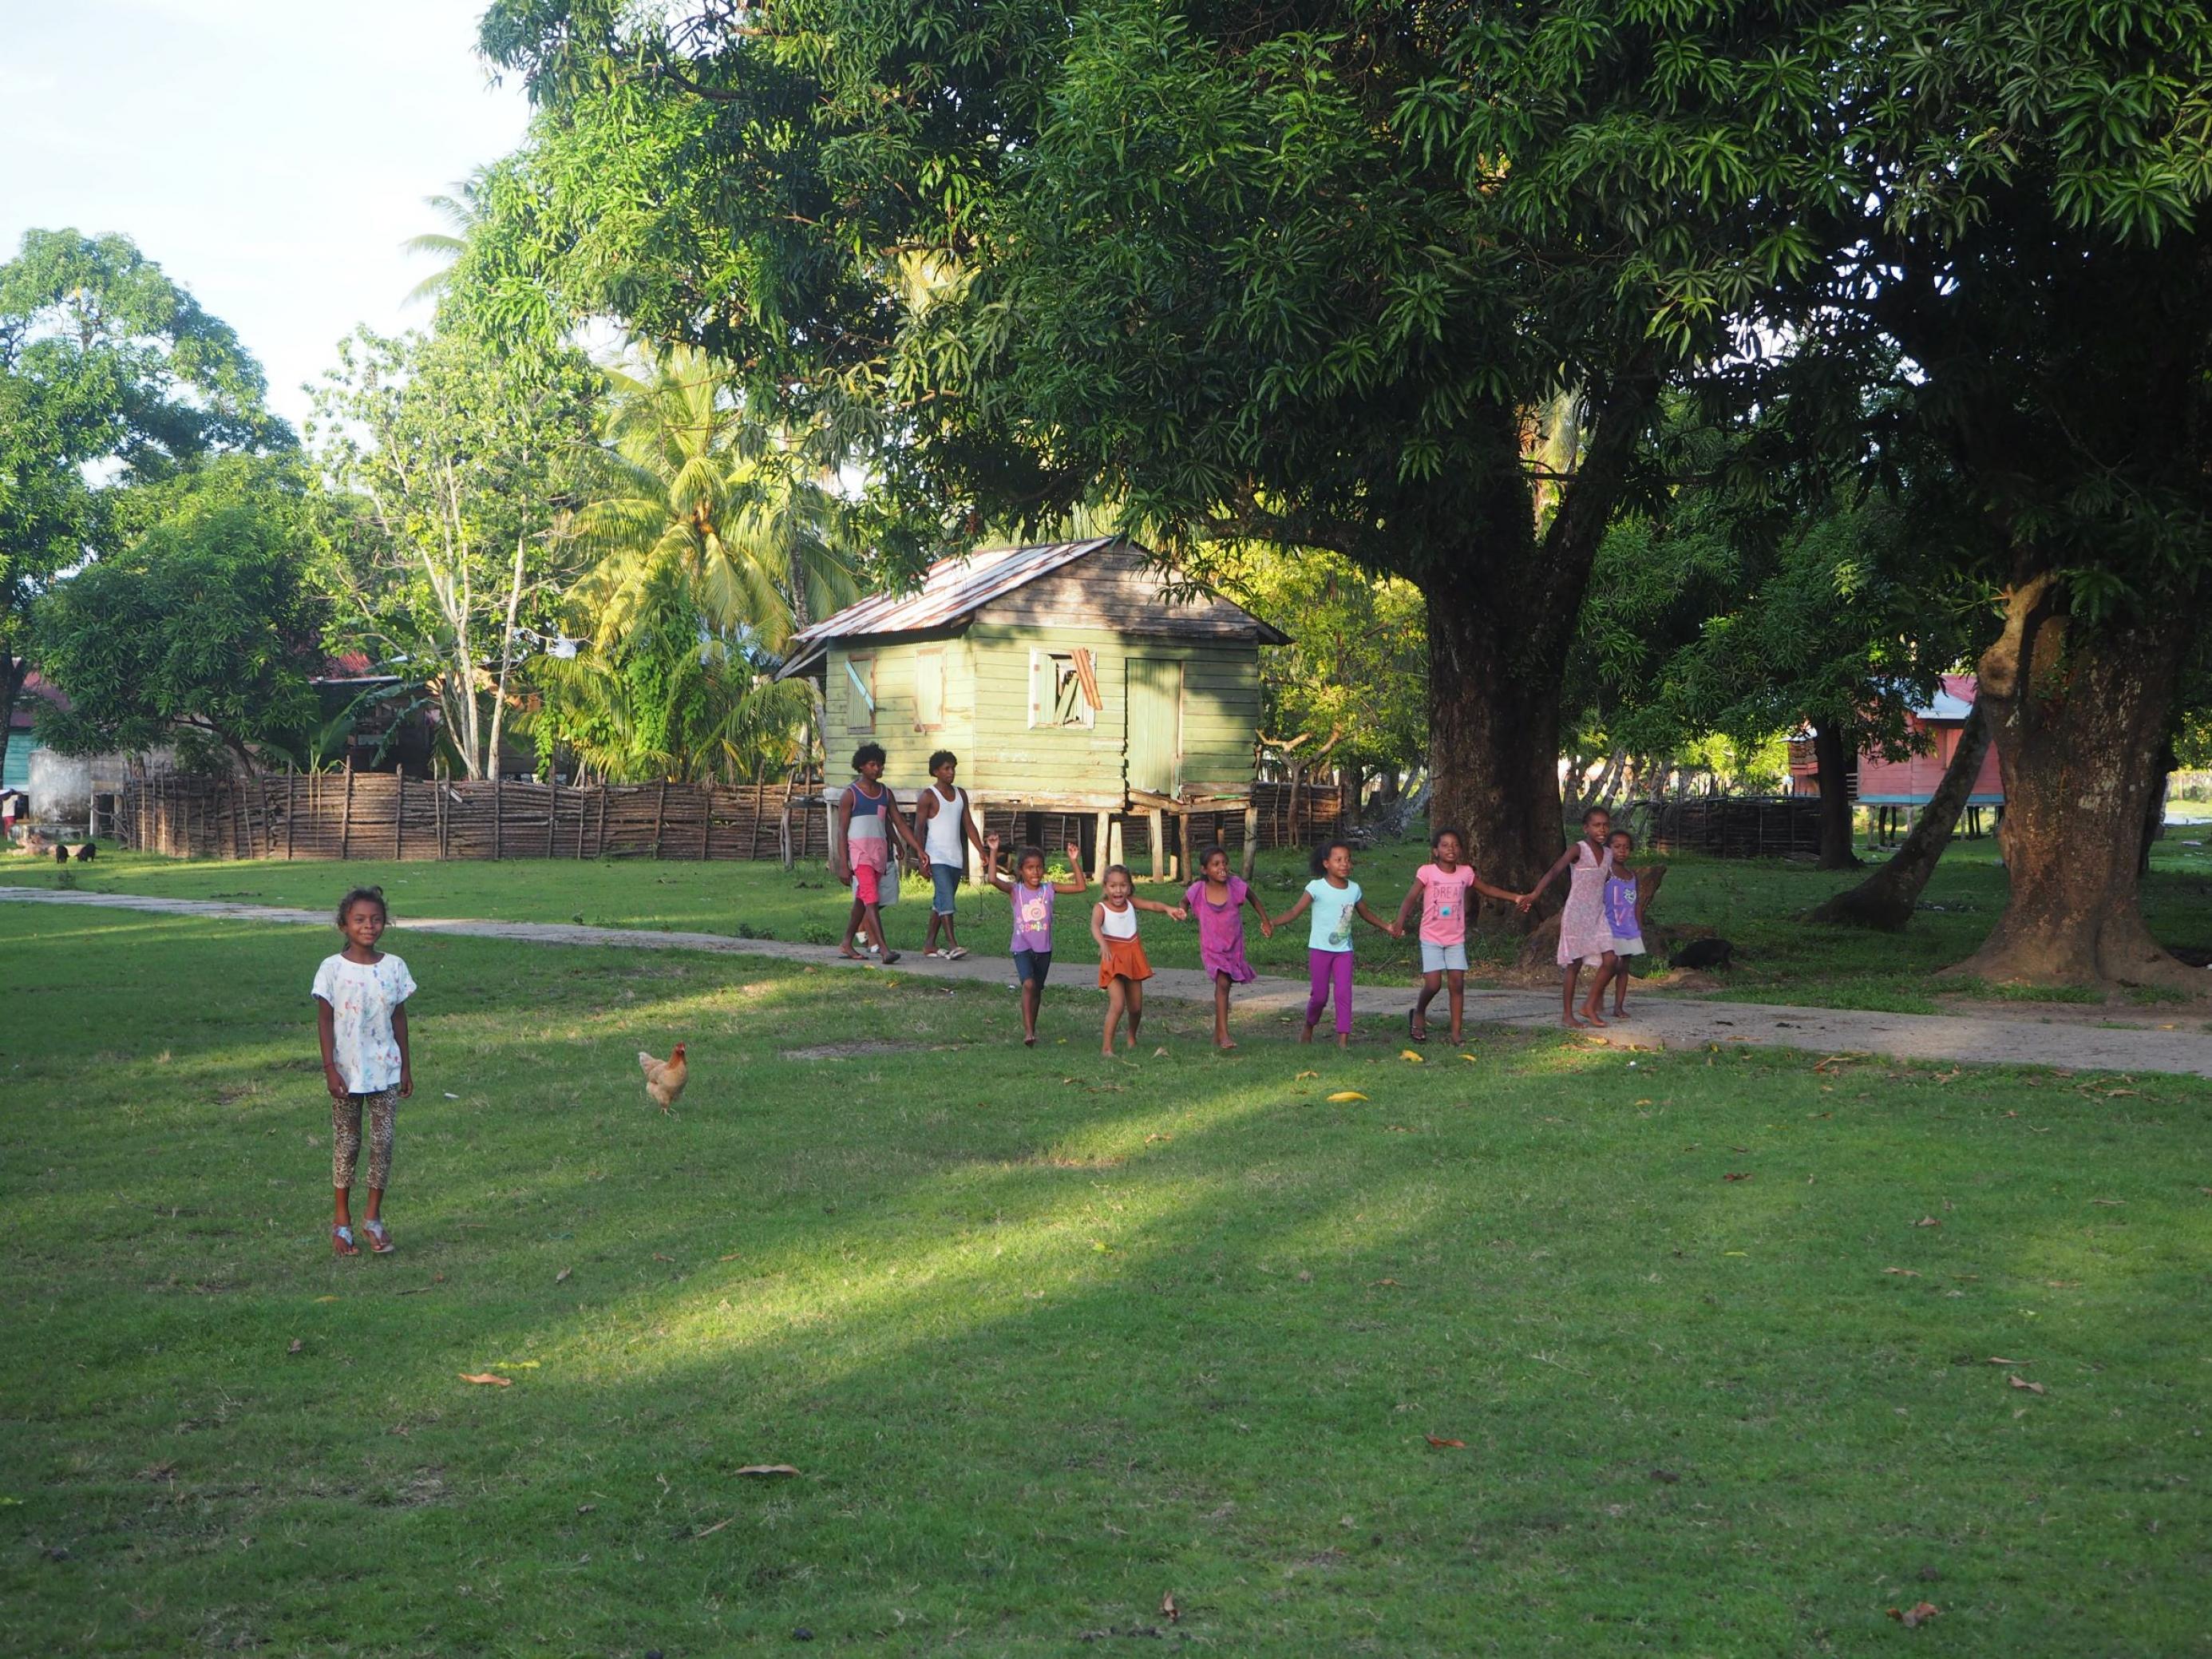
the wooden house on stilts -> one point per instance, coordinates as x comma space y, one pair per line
1071, 680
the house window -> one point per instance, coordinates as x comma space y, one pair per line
1063, 688
928, 691
859, 694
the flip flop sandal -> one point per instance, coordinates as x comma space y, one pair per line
890, 957
342, 1242
379, 1241
955, 953
1415, 1034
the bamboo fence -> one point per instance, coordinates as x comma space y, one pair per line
385, 816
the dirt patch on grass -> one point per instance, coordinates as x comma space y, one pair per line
847, 1051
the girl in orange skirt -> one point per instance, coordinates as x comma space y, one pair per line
1123, 969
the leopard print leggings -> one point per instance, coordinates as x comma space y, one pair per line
345, 1137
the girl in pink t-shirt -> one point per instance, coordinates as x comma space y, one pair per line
1441, 888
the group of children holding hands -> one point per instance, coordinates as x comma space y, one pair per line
1601, 924
360, 994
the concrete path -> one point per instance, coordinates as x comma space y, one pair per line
1656, 1019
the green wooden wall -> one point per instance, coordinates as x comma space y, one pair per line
985, 716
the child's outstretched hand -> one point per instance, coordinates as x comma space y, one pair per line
1524, 901
1176, 913
1396, 930
1266, 928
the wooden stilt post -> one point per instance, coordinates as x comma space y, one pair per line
1156, 822
1183, 872
345, 816
399, 817
1100, 836
438, 811
1251, 836
552, 813
498, 816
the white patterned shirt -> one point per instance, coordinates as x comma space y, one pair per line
363, 996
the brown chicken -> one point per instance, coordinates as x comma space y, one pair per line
665, 1078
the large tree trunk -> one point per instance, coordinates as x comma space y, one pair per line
2077, 714
1503, 607
1885, 898
1837, 851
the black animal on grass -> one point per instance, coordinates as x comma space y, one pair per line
1703, 954
86, 854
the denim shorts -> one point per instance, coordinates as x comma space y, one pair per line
1438, 958
1032, 965
946, 879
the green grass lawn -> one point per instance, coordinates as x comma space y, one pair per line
1048, 1337
1755, 903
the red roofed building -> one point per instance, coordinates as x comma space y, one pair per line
1878, 782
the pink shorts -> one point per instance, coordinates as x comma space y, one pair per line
867, 883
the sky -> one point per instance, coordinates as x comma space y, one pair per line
270, 155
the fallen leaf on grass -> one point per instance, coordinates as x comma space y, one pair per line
1901, 1273
450, 1094
657, 1256
1928, 1221
562, 1278
1994, 1360
1383, 1281
326, 1298
2063, 1283
1408, 1055
705, 1532
516, 1364
1149, 1139
1445, 1445
1344, 1095
1737, 1175
2109, 1203
2022, 1383
493, 1378
1302, 1076
1735, 1252
1398, 1129
768, 1468
296, 1346
732, 1257
1159, 1053
1169, 1610
1920, 1613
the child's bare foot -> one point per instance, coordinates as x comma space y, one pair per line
851, 954
1107, 1051
1131, 1040
1456, 1039
1571, 1022
1029, 1039
1306, 1035
1591, 1014
1224, 1045
1343, 1039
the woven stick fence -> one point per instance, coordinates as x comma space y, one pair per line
383, 816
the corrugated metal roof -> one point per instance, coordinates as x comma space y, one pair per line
954, 588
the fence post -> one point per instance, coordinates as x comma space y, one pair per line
659, 815
1251, 836
399, 817
552, 811
498, 816
345, 816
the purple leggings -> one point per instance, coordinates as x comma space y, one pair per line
1323, 969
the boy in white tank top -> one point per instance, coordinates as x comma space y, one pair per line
948, 829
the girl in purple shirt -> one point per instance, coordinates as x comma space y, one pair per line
1217, 899
1031, 897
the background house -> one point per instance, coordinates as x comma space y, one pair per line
1909, 783
1071, 678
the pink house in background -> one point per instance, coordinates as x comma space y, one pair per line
1876, 782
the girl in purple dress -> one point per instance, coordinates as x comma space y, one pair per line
1217, 899
1585, 937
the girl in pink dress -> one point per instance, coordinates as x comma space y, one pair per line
1585, 936
1217, 899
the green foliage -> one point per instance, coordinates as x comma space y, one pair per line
110, 376
1357, 666
449, 461
204, 633
669, 697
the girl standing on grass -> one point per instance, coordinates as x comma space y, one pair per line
1585, 940
1335, 899
1441, 888
1217, 899
1031, 897
1624, 899
360, 1018
1123, 969
867, 816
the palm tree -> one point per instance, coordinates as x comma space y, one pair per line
463, 211
690, 481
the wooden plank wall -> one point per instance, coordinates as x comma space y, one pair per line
1739, 826
379, 815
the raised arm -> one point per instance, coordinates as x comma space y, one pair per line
1305, 904
1498, 893
1172, 912
1558, 864
991, 866
1074, 863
